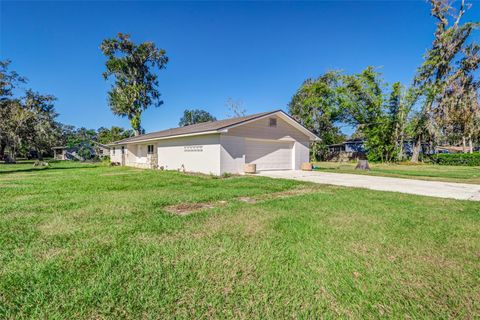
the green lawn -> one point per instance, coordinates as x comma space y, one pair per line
86, 241
461, 174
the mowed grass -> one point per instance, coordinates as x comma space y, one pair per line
460, 174
85, 241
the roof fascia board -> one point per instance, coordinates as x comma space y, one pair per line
167, 137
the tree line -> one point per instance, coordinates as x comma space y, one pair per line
29, 126
441, 105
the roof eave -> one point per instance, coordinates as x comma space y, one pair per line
119, 143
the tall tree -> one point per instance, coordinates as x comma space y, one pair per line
136, 82
17, 127
106, 135
194, 116
316, 106
431, 81
9, 80
459, 100
379, 114
398, 110
42, 131
363, 101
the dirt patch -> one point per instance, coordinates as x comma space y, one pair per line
184, 209
247, 199
277, 195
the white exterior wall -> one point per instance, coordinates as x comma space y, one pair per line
301, 153
137, 155
232, 154
233, 142
117, 157
196, 153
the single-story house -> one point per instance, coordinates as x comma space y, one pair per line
270, 140
350, 145
355, 149
81, 151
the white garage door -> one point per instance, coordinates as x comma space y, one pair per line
269, 154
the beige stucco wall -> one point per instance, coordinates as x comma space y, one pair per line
137, 155
233, 142
301, 153
117, 157
260, 129
232, 154
196, 154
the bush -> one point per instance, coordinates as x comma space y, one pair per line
457, 159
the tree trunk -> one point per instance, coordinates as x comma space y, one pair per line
3, 146
470, 144
464, 145
39, 156
416, 149
400, 150
362, 165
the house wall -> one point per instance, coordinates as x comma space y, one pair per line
260, 129
103, 152
117, 157
196, 154
355, 147
137, 155
301, 153
232, 154
233, 142
217, 153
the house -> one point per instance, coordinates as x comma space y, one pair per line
81, 151
270, 140
350, 145
355, 149
347, 150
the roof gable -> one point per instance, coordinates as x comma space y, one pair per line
212, 127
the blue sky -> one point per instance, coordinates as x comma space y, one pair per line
257, 52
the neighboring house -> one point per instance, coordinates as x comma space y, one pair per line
355, 149
452, 149
348, 150
80, 151
350, 145
271, 140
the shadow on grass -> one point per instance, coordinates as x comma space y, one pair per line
44, 169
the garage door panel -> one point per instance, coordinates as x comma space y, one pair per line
269, 155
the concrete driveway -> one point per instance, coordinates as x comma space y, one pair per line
461, 191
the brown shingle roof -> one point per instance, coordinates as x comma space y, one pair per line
194, 128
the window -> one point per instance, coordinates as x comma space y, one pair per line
113, 150
100, 151
123, 150
272, 122
150, 149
